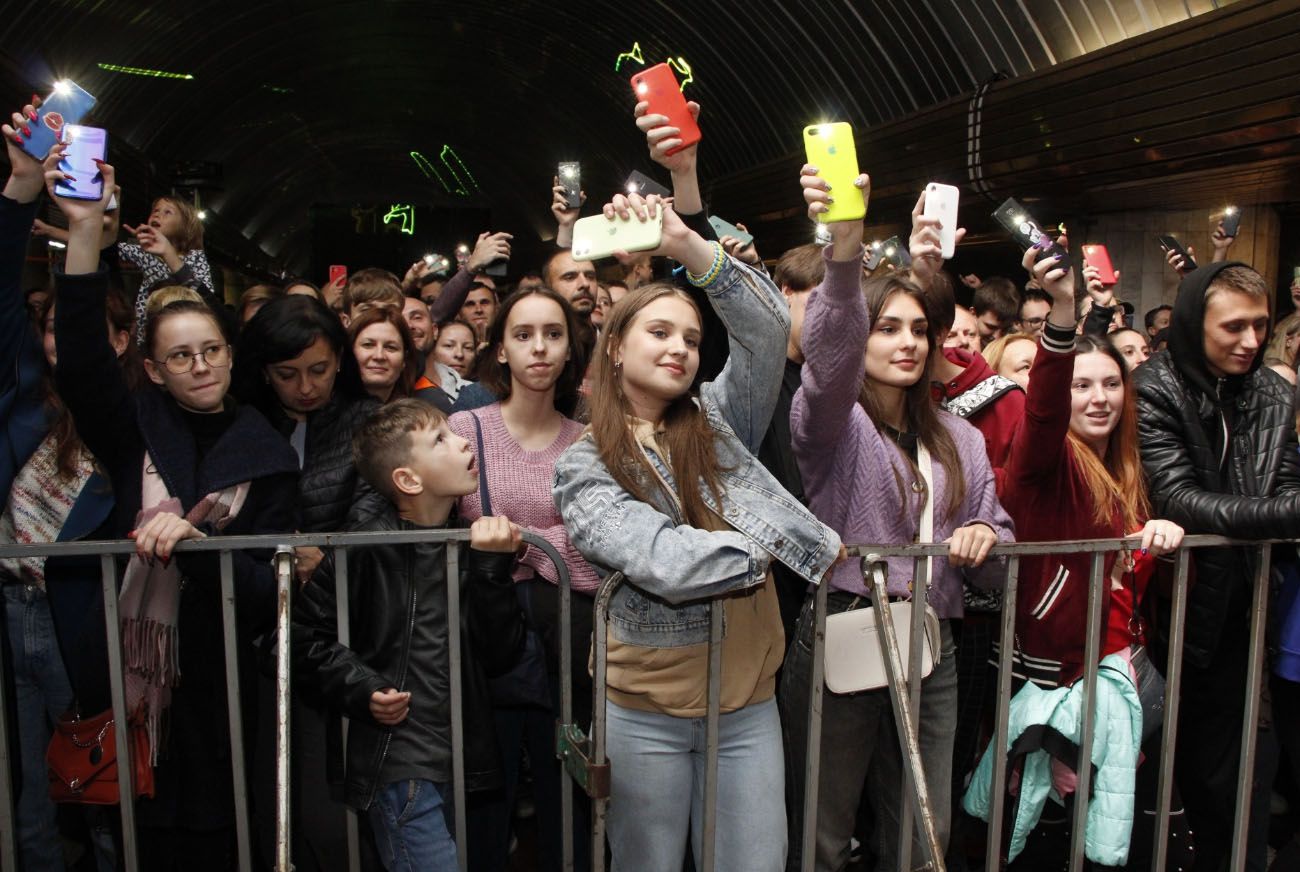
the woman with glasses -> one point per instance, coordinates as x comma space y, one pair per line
185, 462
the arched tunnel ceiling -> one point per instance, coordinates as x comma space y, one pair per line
323, 101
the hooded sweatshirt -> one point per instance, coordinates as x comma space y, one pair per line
1220, 456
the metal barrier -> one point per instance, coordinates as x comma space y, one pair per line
282, 545
584, 755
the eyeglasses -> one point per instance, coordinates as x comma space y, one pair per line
181, 362
1033, 322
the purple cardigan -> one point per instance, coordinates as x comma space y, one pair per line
845, 460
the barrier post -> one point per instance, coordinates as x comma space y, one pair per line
915, 639
343, 629
284, 580
1250, 717
812, 761
1169, 731
457, 704
1088, 702
8, 820
234, 707
1006, 653
117, 692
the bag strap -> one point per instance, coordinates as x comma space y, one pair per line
925, 466
484, 498
976, 398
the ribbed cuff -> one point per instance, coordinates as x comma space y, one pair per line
1058, 339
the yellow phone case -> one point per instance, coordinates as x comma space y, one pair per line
830, 148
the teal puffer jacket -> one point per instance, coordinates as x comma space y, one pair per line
1116, 740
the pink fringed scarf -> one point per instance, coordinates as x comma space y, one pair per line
150, 602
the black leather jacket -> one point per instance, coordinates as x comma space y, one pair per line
381, 606
1220, 457
329, 483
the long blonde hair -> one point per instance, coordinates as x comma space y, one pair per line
687, 437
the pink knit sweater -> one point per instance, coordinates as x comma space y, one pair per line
519, 486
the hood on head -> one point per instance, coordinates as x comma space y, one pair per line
1187, 331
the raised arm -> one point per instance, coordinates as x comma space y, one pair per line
614, 530
90, 381
489, 247
17, 212
1038, 448
835, 328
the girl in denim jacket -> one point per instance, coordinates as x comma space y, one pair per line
856, 425
664, 488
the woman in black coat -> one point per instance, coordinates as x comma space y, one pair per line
223, 470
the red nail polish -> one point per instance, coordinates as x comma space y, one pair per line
18, 139
68, 178
31, 116
35, 97
27, 131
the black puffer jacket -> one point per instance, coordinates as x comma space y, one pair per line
329, 483
1220, 457
380, 607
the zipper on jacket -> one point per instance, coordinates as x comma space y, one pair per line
401, 674
1227, 437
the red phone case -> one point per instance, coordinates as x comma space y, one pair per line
658, 86
338, 273
1097, 257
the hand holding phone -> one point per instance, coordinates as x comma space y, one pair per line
941, 204
639, 183
619, 228
1097, 257
1230, 223
1178, 257
26, 175
67, 104
677, 129
831, 151
1027, 233
85, 148
568, 176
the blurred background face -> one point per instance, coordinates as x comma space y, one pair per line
1016, 360
480, 305
455, 348
416, 315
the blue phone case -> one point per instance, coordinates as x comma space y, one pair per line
64, 106
85, 145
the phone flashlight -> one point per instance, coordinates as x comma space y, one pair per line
462, 249
876, 245
62, 88
567, 172
203, 214
1231, 210
429, 260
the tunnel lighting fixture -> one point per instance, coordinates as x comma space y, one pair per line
403, 212
141, 71
54, 243
633, 55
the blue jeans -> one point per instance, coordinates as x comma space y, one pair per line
860, 753
412, 822
43, 694
657, 760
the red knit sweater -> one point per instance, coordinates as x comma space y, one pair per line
519, 487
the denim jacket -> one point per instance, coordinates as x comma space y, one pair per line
672, 568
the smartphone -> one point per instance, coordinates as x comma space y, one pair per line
830, 148
1231, 221
891, 251
596, 236
338, 274
497, 268
658, 86
570, 175
1097, 257
941, 203
726, 228
1170, 243
1026, 232
639, 183
85, 145
67, 104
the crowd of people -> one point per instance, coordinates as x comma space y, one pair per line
708, 429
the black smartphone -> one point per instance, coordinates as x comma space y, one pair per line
1231, 221
570, 175
497, 268
639, 183
1027, 233
1170, 243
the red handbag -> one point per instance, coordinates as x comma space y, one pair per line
82, 760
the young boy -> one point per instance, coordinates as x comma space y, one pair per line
393, 680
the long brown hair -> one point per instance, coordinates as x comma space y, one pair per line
496, 376
918, 408
1115, 482
687, 436
68, 447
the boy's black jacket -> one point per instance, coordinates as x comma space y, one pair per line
380, 606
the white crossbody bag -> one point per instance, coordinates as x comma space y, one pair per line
855, 655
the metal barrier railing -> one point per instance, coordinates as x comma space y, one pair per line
282, 545
584, 755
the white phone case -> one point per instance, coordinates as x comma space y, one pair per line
596, 236
941, 203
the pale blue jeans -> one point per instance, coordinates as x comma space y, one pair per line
657, 765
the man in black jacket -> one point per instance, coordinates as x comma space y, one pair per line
1218, 445
393, 680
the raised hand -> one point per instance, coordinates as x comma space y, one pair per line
661, 138
26, 177
745, 253
1221, 242
846, 236
1097, 291
925, 244
489, 248
1055, 276
677, 241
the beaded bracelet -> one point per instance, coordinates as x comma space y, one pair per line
719, 258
